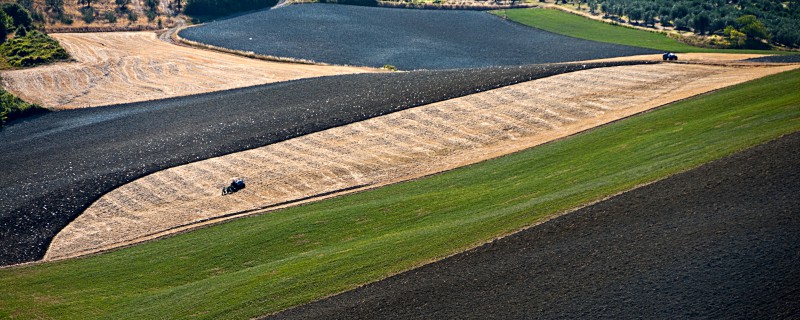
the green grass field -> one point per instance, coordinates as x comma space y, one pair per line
261, 264
572, 25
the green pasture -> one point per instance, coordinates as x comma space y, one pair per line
573, 25
262, 264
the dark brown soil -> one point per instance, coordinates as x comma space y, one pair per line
720, 241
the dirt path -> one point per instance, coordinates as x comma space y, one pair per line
387, 149
124, 67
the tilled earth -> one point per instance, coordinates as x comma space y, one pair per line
777, 58
57, 164
408, 39
720, 241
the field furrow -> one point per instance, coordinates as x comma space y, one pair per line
391, 148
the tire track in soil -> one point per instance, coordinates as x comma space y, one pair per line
719, 241
396, 147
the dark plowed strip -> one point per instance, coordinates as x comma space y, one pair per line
720, 241
55, 165
777, 58
407, 39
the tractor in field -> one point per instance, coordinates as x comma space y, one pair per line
669, 56
236, 185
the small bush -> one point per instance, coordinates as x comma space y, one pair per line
12, 107
33, 49
21, 31
390, 67
87, 14
110, 16
66, 19
132, 16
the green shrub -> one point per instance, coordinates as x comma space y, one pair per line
66, 19
19, 15
87, 14
110, 16
33, 49
12, 107
21, 31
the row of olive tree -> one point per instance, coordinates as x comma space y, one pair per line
768, 20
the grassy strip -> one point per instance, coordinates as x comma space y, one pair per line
265, 263
572, 25
35, 48
12, 107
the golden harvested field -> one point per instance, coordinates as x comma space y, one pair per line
396, 147
122, 67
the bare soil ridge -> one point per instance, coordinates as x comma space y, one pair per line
719, 241
400, 146
124, 67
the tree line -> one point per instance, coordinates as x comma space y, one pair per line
743, 21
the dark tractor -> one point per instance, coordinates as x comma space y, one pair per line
236, 185
669, 56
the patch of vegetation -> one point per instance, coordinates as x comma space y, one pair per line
572, 25
35, 48
87, 14
12, 18
261, 264
12, 108
218, 8
20, 17
779, 20
110, 16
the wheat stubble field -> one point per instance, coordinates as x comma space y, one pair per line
396, 147
123, 67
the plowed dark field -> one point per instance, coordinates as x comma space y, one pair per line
407, 39
56, 165
777, 58
721, 241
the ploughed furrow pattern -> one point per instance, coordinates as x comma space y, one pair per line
57, 164
122, 67
387, 149
408, 39
721, 241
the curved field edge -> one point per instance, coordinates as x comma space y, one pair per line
573, 25
267, 263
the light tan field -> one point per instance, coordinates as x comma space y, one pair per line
124, 67
396, 147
